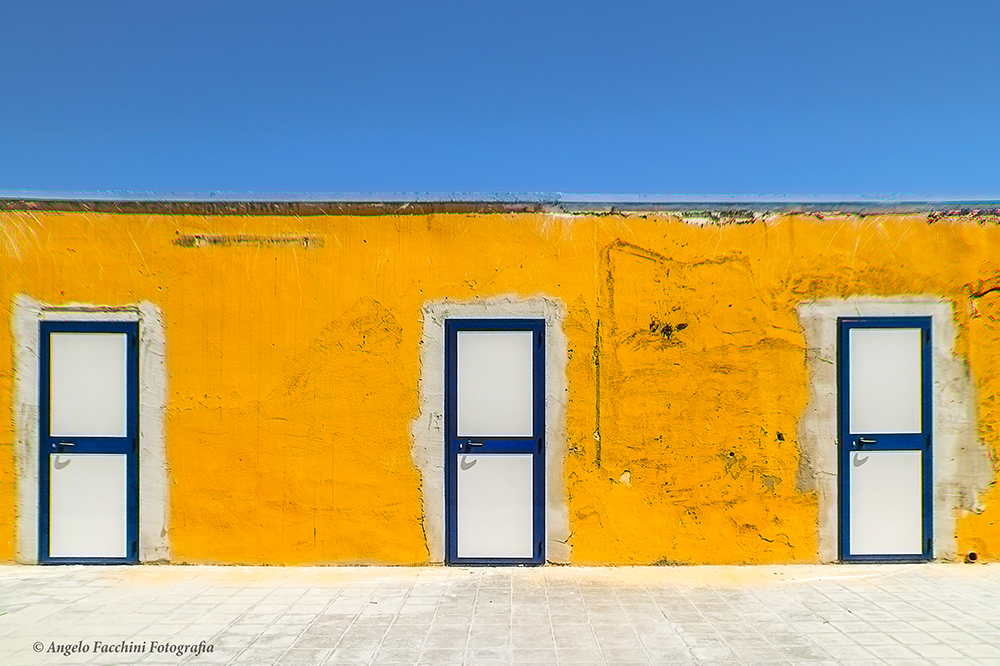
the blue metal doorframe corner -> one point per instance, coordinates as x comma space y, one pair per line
131, 331
452, 327
844, 324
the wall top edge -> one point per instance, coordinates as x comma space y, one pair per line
271, 203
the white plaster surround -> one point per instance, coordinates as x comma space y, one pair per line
428, 428
959, 463
153, 489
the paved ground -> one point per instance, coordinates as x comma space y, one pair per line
857, 615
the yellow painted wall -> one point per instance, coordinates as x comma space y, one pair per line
293, 371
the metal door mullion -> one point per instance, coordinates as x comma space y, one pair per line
886, 321
69, 445
908, 444
493, 561
878, 558
488, 447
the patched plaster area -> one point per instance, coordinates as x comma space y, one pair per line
428, 428
960, 465
153, 489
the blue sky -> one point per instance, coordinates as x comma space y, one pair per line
629, 97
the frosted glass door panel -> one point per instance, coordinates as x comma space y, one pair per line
885, 380
495, 388
88, 385
495, 505
87, 512
886, 503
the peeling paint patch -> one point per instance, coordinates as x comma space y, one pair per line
225, 240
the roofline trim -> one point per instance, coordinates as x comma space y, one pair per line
399, 203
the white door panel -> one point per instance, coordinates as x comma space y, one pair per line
886, 502
87, 510
495, 516
88, 385
495, 389
885, 380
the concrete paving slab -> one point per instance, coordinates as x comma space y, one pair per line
788, 615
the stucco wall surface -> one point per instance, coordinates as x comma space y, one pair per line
293, 355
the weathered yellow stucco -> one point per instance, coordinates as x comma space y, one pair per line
294, 368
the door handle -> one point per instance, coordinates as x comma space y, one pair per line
469, 445
58, 444
860, 444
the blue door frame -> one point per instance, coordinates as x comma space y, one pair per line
128, 445
455, 445
849, 442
